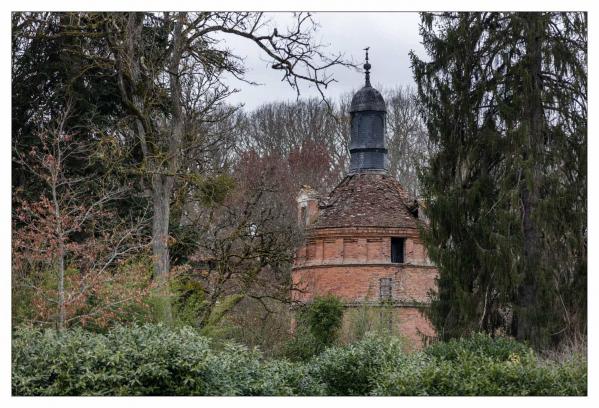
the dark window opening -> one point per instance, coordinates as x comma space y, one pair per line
304, 216
386, 286
397, 245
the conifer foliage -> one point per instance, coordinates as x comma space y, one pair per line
504, 97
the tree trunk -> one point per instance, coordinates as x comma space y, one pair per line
527, 324
161, 191
162, 184
61, 254
61, 303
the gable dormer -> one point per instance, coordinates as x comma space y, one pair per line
307, 206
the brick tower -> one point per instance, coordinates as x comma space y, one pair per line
362, 242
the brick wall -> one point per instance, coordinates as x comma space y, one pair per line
406, 322
350, 263
326, 249
357, 283
332, 250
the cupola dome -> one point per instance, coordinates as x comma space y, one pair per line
368, 148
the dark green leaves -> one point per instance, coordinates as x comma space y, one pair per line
503, 96
156, 360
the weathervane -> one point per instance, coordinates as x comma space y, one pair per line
367, 67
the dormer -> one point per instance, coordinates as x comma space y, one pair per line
307, 206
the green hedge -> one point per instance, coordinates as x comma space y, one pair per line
482, 366
155, 360
354, 369
147, 360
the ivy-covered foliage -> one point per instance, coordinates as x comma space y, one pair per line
324, 318
317, 328
156, 360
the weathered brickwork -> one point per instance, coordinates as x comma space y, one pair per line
409, 321
413, 325
351, 257
327, 249
361, 282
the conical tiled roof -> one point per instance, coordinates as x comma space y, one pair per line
367, 200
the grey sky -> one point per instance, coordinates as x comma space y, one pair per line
390, 36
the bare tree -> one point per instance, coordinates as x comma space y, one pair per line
158, 58
306, 129
285, 127
246, 242
407, 140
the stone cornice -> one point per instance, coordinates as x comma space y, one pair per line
376, 265
362, 232
387, 303
373, 303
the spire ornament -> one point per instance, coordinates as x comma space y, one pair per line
367, 67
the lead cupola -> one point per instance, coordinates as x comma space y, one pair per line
368, 113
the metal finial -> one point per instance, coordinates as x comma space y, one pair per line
367, 67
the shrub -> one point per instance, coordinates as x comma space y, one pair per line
352, 369
324, 317
282, 377
303, 345
366, 319
148, 360
188, 299
428, 376
317, 328
255, 326
480, 365
482, 345
157, 360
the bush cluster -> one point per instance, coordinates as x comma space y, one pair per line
156, 360
480, 365
317, 328
146, 360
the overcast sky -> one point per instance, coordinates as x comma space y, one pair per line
390, 36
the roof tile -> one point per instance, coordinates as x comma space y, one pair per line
367, 199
